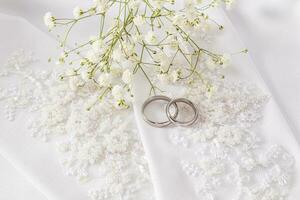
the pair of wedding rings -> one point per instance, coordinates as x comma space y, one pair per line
172, 117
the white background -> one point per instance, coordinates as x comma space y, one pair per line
269, 28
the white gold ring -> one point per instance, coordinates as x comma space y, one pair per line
182, 123
157, 98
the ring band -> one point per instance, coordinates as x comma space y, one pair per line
182, 123
156, 98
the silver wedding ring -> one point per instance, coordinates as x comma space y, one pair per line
157, 98
172, 118
182, 123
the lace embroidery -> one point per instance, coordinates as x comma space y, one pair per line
112, 146
228, 157
230, 161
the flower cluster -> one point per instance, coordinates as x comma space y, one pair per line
146, 36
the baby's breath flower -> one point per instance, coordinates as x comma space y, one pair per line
215, 3
75, 82
49, 20
128, 47
77, 12
137, 37
117, 55
158, 3
94, 55
97, 44
228, 3
121, 104
117, 92
127, 76
177, 19
71, 72
61, 59
101, 5
151, 38
134, 4
210, 64
176, 75
140, 37
139, 20
85, 75
225, 60
83, 62
105, 79
173, 42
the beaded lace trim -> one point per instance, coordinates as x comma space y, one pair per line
229, 158
102, 138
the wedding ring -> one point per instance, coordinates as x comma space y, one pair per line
177, 122
157, 98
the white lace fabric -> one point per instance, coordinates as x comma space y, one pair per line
101, 137
224, 156
230, 160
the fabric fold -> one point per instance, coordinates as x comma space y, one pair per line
168, 179
35, 159
40, 163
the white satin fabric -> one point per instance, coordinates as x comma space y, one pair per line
39, 163
169, 180
16, 186
270, 30
37, 160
